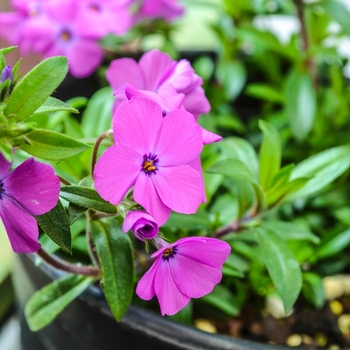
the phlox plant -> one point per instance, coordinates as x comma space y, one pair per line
134, 190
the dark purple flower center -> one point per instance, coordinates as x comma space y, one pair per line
169, 253
95, 7
149, 163
65, 35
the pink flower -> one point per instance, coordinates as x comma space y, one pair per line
29, 190
142, 225
188, 268
158, 73
167, 9
151, 153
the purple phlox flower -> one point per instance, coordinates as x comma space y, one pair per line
141, 224
6, 74
102, 17
157, 72
151, 153
167, 9
29, 190
188, 268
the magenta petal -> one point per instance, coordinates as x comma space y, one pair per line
115, 173
171, 300
196, 102
137, 124
34, 185
146, 195
84, 57
4, 167
180, 140
209, 137
193, 278
197, 165
142, 225
205, 250
155, 65
145, 287
125, 70
21, 227
179, 188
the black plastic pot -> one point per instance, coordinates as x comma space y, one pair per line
87, 323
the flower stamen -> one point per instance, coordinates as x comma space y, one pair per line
169, 253
149, 164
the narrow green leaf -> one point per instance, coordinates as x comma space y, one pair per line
313, 289
333, 244
300, 103
223, 299
339, 12
36, 86
97, 118
270, 154
265, 92
46, 304
51, 145
53, 105
87, 197
232, 76
322, 168
282, 266
289, 231
55, 224
6, 50
114, 250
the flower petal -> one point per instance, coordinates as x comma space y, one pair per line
34, 185
125, 70
180, 140
170, 299
115, 173
142, 225
196, 103
137, 123
180, 188
209, 137
197, 165
193, 278
205, 250
155, 65
4, 167
146, 195
145, 287
21, 227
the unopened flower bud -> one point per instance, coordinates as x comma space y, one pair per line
6, 74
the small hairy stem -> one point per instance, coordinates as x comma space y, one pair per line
96, 146
309, 61
90, 243
64, 181
232, 227
68, 267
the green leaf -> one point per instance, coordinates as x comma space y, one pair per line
240, 149
223, 299
46, 304
51, 145
339, 12
114, 250
322, 168
289, 231
55, 224
313, 289
333, 244
232, 76
53, 105
36, 86
87, 197
97, 118
6, 50
270, 154
265, 92
300, 103
282, 266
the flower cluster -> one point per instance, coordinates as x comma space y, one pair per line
152, 168
74, 28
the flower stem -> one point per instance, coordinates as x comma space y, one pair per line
68, 267
96, 146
